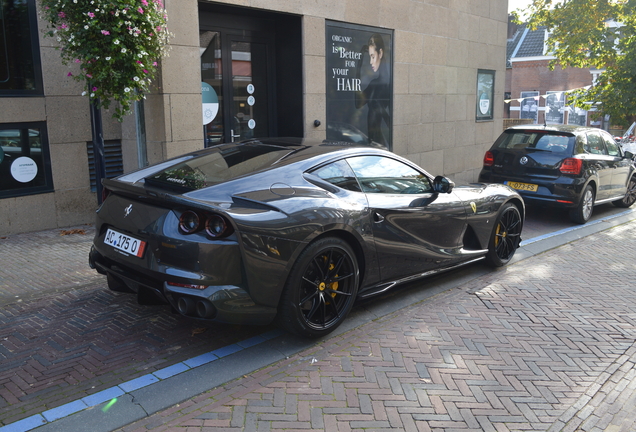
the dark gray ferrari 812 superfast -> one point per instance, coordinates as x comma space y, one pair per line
292, 230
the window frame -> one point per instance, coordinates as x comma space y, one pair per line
35, 54
47, 187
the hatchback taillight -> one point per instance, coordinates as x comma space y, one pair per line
571, 166
489, 159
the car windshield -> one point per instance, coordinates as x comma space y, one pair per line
536, 140
219, 166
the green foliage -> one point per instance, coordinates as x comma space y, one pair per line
583, 34
116, 43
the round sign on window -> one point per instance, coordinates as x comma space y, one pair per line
250, 88
24, 169
210, 104
251, 124
251, 100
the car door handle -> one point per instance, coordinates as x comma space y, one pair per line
377, 217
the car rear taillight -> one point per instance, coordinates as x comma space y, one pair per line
214, 225
489, 159
571, 166
189, 222
105, 193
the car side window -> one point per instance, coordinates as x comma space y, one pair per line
339, 173
379, 174
595, 144
612, 147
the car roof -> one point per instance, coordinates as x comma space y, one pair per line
304, 151
573, 129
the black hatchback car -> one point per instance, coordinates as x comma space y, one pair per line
566, 166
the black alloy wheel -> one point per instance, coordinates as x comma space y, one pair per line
505, 237
630, 195
321, 288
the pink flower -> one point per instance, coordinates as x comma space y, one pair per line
140, 10
69, 74
94, 89
105, 32
138, 61
64, 26
61, 14
154, 63
145, 71
89, 75
77, 60
144, 2
91, 14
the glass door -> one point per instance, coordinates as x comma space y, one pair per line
236, 87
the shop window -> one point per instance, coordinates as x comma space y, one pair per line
112, 158
20, 69
25, 164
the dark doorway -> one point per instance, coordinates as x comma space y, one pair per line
251, 73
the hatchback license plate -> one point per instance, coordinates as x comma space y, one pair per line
125, 243
523, 186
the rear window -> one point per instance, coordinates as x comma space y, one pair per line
217, 167
536, 140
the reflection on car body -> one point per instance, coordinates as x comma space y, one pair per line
292, 230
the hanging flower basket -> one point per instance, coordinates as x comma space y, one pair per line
116, 43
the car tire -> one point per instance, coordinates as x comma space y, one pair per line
583, 211
117, 285
505, 237
630, 195
321, 288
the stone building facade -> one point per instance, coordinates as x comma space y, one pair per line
275, 70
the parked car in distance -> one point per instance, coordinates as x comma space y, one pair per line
565, 166
292, 229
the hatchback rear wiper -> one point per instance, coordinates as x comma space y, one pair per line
538, 149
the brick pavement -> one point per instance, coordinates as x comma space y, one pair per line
59, 261
546, 344
64, 335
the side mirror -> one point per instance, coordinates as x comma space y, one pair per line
443, 184
629, 155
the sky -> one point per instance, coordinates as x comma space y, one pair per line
516, 4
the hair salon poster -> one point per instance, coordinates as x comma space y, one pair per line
359, 84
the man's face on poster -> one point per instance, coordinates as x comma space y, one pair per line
375, 58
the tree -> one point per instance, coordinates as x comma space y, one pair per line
597, 34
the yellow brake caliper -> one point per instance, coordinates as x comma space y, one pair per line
334, 285
504, 234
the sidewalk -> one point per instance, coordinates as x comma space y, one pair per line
544, 344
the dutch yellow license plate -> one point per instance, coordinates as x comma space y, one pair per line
523, 186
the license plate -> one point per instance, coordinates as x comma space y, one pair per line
523, 186
125, 243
